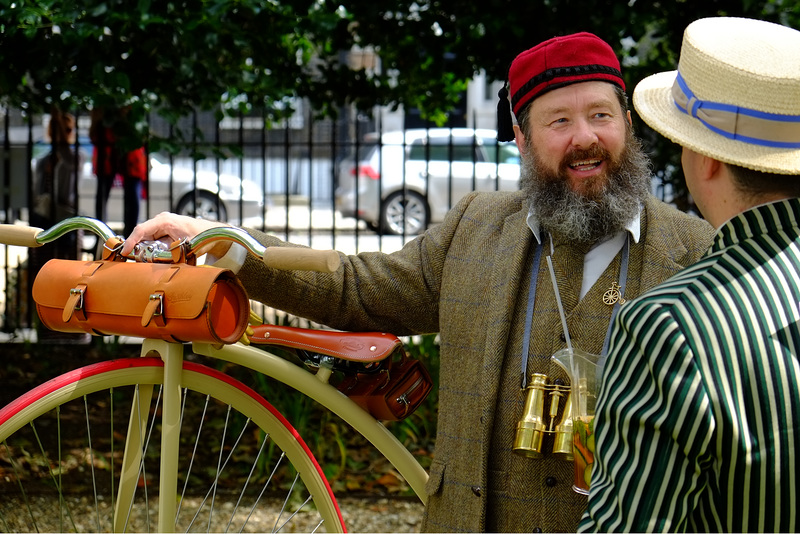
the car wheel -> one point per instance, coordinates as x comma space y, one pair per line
209, 206
404, 211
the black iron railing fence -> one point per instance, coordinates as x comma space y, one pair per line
349, 184
278, 178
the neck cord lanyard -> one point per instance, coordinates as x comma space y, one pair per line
526, 341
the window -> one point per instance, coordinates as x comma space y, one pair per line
508, 152
440, 149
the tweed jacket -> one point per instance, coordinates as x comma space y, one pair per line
465, 279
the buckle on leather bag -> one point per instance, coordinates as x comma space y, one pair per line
154, 310
74, 304
160, 298
77, 291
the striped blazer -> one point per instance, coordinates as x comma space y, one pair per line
698, 419
467, 279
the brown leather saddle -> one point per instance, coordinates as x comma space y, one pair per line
364, 347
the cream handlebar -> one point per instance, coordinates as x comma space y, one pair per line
20, 236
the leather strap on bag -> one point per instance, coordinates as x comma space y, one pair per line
154, 310
155, 307
75, 303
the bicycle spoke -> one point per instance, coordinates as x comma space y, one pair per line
295, 512
63, 506
283, 508
143, 446
24, 493
58, 484
246, 484
111, 442
220, 468
285, 503
220, 464
46, 461
136, 408
230, 455
194, 449
5, 524
91, 460
265, 486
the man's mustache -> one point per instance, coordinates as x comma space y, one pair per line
577, 155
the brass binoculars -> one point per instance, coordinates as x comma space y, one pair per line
532, 428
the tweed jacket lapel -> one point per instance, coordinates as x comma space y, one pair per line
516, 238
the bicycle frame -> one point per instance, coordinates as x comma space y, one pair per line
334, 400
172, 355
263, 362
258, 360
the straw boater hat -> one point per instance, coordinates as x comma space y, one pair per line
735, 96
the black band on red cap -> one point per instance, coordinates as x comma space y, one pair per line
562, 72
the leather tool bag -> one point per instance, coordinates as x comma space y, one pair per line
392, 393
175, 302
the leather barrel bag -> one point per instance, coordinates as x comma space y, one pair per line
394, 392
175, 302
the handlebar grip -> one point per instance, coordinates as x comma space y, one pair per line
302, 259
19, 236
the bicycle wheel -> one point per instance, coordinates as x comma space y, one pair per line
62, 447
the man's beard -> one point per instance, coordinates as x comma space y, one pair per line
600, 212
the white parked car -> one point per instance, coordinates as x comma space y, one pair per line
172, 188
218, 196
414, 177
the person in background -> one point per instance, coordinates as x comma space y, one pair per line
54, 198
110, 161
55, 177
55, 186
698, 419
481, 281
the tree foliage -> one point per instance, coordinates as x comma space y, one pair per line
175, 56
180, 55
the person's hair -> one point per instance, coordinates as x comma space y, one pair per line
757, 183
522, 117
61, 128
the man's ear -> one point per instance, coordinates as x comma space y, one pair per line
699, 169
709, 167
519, 138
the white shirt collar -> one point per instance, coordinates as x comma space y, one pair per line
601, 254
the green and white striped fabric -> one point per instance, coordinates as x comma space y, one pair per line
698, 417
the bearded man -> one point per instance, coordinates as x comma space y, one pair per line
480, 280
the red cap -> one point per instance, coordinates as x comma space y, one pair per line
560, 61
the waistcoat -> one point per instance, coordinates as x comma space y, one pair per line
526, 493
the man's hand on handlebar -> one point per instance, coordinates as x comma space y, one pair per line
169, 227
